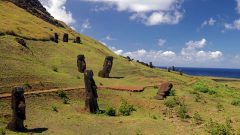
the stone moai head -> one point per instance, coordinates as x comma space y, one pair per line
173, 68
78, 40
91, 92
18, 108
164, 90
107, 66
150, 65
65, 37
55, 37
180, 72
81, 64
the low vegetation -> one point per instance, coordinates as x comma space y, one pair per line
126, 109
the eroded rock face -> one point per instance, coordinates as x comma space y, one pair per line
81, 64
107, 66
65, 37
91, 104
164, 90
35, 7
18, 110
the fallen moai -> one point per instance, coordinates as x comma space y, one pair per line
65, 37
81, 64
164, 90
107, 66
91, 104
18, 110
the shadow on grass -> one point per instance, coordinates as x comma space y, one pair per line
37, 130
116, 77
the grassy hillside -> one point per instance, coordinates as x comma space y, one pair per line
45, 64
34, 65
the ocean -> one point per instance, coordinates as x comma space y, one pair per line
214, 72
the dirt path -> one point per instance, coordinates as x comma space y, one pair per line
119, 88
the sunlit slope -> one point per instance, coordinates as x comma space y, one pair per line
35, 65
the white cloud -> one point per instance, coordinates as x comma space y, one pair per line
234, 26
210, 22
150, 12
85, 25
161, 42
57, 9
114, 49
109, 38
238, 6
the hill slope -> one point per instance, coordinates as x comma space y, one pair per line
194, 102
34, 65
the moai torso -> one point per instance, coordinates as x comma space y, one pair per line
78, 40
18, 108
81, 64
55, 37
65, 37
107, 67
164, 90
91, 104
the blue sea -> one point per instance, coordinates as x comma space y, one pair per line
214, 72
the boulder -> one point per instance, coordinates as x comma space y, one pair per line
18, 110
107, 66
91, 103
164, 90
81, 64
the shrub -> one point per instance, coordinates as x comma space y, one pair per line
55, 69
197, 119
110, 112
64, 97
201, 87
172, 92
54, 108
154, 117
125, 109
182, 111
220, 107
2, 131
215, 128
27, 85
236, 102
172, 102
78, 77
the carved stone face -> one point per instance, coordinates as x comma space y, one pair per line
81, 63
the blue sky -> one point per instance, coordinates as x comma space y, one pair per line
192, 33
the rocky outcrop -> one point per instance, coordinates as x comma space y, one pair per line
35, 7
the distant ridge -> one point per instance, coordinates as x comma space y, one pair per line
35, 8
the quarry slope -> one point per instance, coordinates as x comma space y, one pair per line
34, 65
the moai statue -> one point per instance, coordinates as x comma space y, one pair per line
78, 40
164, 91
65, 37
91, 92
173, 68
180, 72
81, 64
55, 37
150, 65
107, 66
18, 109
169, 70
